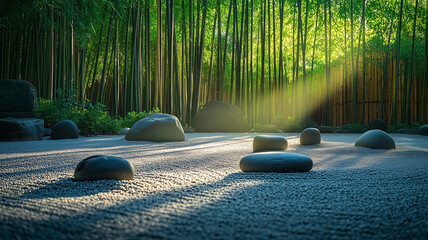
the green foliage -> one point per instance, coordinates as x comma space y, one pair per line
54, 111
291, 125
95, 120
310, 123
91, 119
133, 117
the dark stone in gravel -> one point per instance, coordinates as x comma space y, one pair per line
310, 136
99, 167
21, 129
376, 139
269, 143
276, 162
157, 127
65, 129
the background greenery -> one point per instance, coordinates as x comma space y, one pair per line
281, 61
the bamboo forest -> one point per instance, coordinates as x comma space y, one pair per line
333, 62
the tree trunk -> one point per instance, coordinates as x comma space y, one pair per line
397, 66
409, 93
100, 97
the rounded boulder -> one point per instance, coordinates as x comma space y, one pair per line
99, 167
18, 99
377, 124
310, 136
157, 127
423, 130
276, 162
269, 143
376, 139
65, 129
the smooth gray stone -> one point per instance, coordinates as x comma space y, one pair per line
218, 116
377, 124
157, 127
276, 162
376, 139
47, 132
65, 129
269, 143
99, 167
423, 130
21, 129
310, 136
18, 99
123, 131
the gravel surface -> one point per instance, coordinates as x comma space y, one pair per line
195, 190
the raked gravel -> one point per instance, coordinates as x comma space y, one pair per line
195, 190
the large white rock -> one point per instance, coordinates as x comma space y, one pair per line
157, 127
99, 167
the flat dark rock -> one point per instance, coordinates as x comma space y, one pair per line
18, 99
220, 117
376, 139
276, 162
21, 129
99, 167
310, 136
269, 143
157, 127
65, 129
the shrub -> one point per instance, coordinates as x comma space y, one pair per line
291, 125
133, 117
95, 120
91, 120
53, 111
309, 124
353, 128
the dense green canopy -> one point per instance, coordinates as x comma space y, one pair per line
333, 61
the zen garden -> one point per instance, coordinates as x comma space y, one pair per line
214, 119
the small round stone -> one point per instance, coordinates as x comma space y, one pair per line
65, 129
276, 162
377, 124
269, 143
310, 136
123, 131
376, 139
99, 167
423, 130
